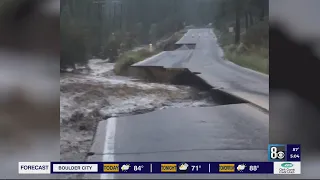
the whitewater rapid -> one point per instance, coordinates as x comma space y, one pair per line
115, 95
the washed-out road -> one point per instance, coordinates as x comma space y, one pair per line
222, 133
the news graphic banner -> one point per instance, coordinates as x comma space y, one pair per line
283, 159
144, 167
160, 167
284, 152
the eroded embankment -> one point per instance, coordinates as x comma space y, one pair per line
182, 76
87, 99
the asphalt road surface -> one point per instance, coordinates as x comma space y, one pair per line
219, 73
167, 59
207, 61
236, 132
191, 37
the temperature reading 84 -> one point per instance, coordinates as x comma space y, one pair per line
196, 168
137, 168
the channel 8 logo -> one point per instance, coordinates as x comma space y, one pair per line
277, 152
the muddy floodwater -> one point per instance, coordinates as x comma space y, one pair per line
86, 99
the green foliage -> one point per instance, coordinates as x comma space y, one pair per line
226, 39
73, 50
257, 35
252, 53
248, 45
153, 33
226, 11
133, 22
113, 46
138, 32
169, 44
129, 42
131, 57
255, 59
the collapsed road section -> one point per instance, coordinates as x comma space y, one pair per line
205, 61
232, 130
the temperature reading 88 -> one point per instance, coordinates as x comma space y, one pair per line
253, 168
137, 168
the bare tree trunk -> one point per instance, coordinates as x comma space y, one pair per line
237, 28
262, 14
246, 20
250, 19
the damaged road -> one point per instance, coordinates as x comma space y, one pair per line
223, 133
87, 99
170, 122
231, 131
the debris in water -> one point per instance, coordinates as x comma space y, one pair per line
86, 99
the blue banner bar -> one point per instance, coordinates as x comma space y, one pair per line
163, 167
293, 152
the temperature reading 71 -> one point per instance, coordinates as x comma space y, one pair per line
196, 168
